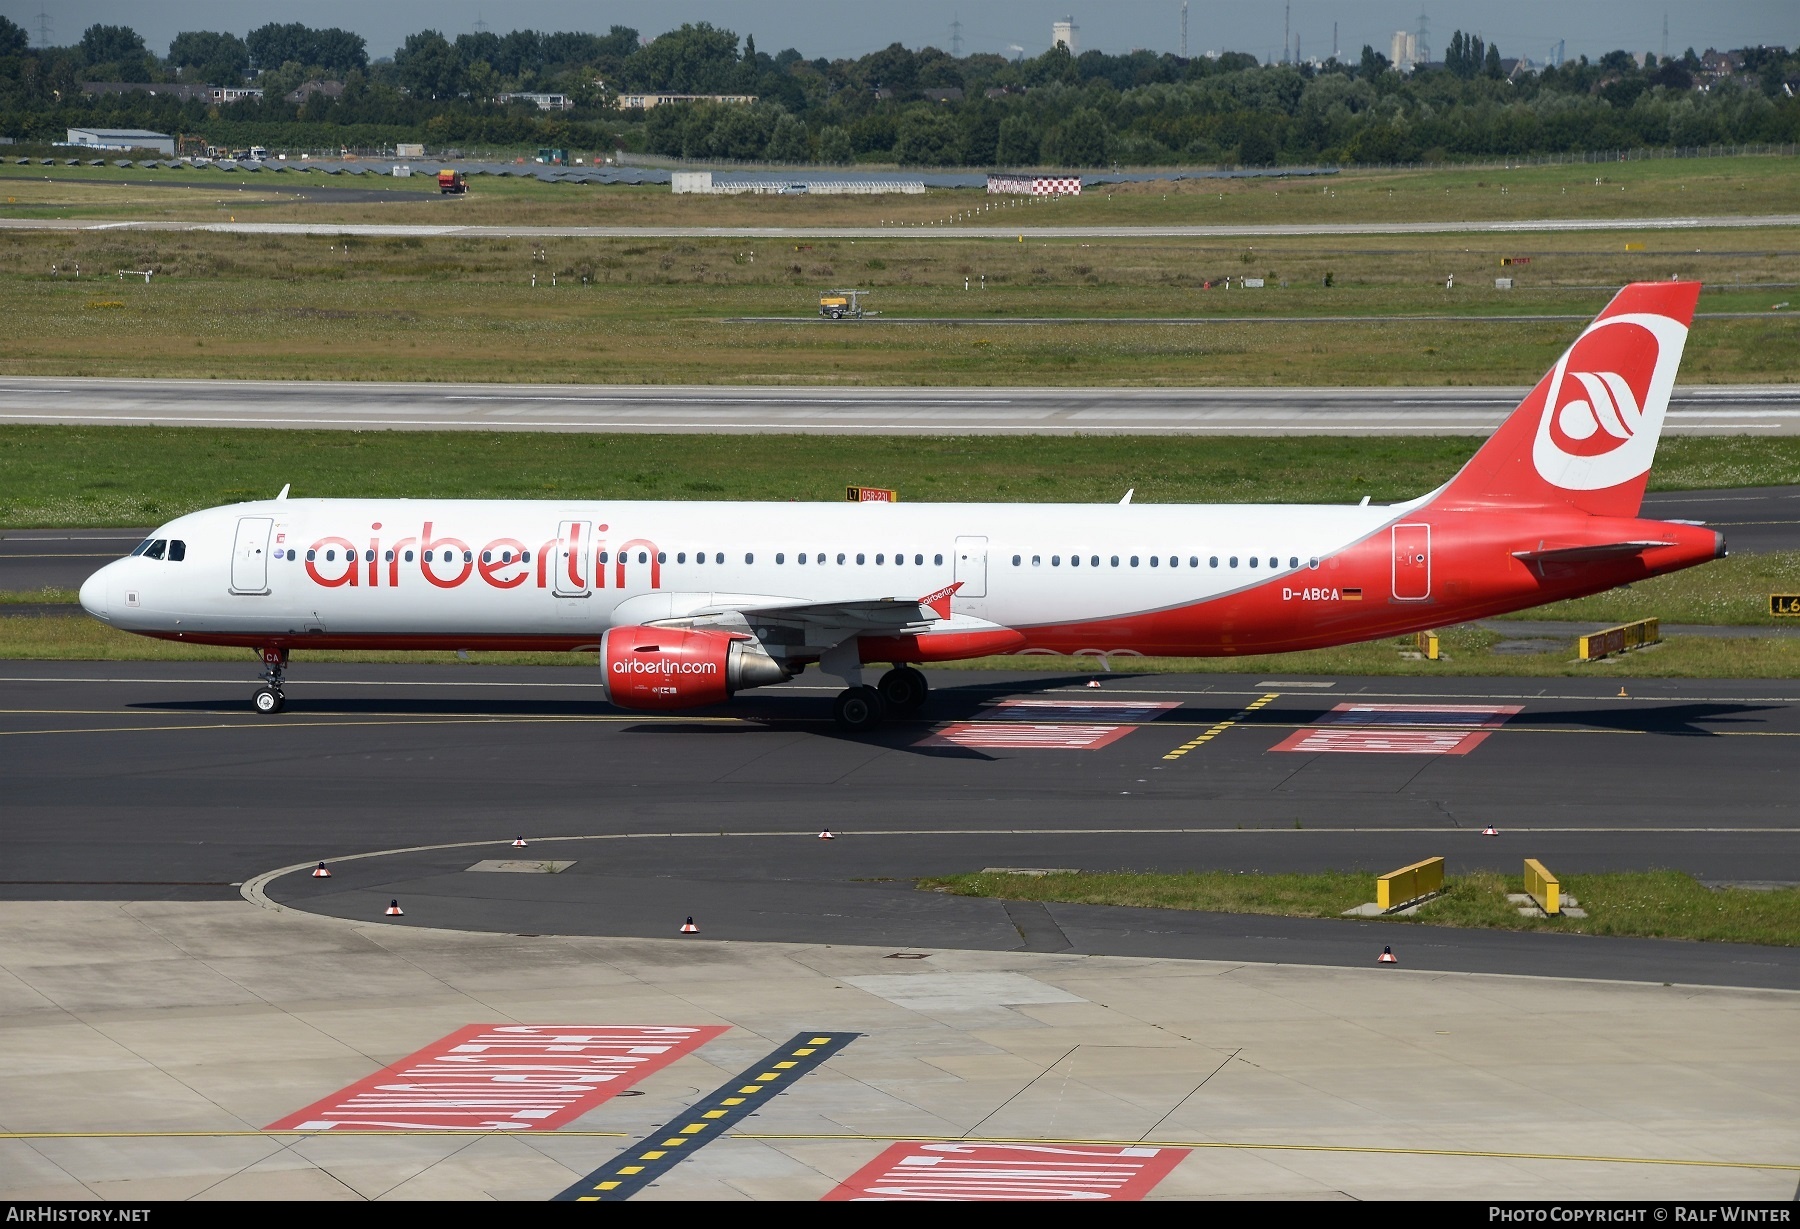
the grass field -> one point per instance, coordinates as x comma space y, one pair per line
1743, 185
95, 476
1649, 904
661, 311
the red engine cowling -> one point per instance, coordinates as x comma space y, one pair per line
672, 667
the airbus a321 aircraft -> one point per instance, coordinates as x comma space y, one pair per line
689, 603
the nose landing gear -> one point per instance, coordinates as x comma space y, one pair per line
268, 698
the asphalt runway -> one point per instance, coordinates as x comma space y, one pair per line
1695, 409
927, 230
136, 781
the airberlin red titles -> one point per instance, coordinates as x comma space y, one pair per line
504, 563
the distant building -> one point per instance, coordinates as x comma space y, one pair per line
100, 89
1064, 32
951, 94
829, 183
543, 102
1404, 51
122, 138
230, 94
644, 102
1033, 185
331, 89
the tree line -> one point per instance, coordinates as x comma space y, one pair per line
917, 108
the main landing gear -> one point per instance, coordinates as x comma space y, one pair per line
268, 698
901, 691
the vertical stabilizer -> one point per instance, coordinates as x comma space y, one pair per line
1586, 435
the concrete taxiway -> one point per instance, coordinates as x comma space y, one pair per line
146, 1045
1695, 409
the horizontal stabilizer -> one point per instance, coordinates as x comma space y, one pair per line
1583, 554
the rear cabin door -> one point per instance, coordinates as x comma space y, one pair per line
1412, 563
971, 566
250, 555
574, 559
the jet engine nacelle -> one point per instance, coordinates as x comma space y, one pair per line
674, 667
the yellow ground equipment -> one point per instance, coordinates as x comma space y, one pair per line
836, 304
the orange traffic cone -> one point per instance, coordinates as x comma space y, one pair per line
1622, 694
688, 927
519, 844
321, 871
1490, 830
825, 835
1387, 957
394, 910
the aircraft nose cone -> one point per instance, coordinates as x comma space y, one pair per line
93, 594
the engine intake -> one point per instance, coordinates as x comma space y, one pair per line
673, 667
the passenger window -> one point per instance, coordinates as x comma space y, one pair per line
681, 557
900, 560
800, 558
1134, 561
427, 556
1194, 561
389, 558
468, 556
177, 551
749, 558
938, 560
1313, 563
1253, 561
1017, 559
1115, 561
1293, 561
1213, 561
1274, 561
643, 557
821, 558
1037, 561
1056, 561
1074, 561
1094, 561
720, 558
409, 556
883, 559
1234, 561
859, 558
368, 556
662, 556
601, 557
1153, 561
313, 554
156, 548
780, 557
919, 561
840, 556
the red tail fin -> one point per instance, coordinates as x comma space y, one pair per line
1586, 435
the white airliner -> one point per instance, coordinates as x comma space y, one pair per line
688, 603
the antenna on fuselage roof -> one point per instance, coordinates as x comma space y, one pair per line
1127, 498
284, 490
1364, 503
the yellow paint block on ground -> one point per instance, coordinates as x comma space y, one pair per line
1542, 886
1409, 883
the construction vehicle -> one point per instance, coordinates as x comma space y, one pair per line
840, 303
452, 183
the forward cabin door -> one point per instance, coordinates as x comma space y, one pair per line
574, 559
250, 555
1412, 563
971, 566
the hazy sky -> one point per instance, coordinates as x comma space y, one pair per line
836, 28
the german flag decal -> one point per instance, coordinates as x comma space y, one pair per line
1353, 595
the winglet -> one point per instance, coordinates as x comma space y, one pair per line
284, 491
1128, 495
939, 603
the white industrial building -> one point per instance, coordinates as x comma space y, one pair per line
1064, 32
123, 138
705, 183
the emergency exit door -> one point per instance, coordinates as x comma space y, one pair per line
1412, 563
250, 555
971, 566
572, 559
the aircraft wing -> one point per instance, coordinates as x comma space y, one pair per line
798, 628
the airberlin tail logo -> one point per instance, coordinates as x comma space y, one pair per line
1604, 408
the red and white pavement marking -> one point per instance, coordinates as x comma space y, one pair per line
1059, 725
956, 1172
1400, 729
502, 1077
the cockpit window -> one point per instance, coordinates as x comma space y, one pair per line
139, 549
177, 550
156, 548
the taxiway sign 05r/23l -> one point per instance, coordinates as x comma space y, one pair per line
689, 602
